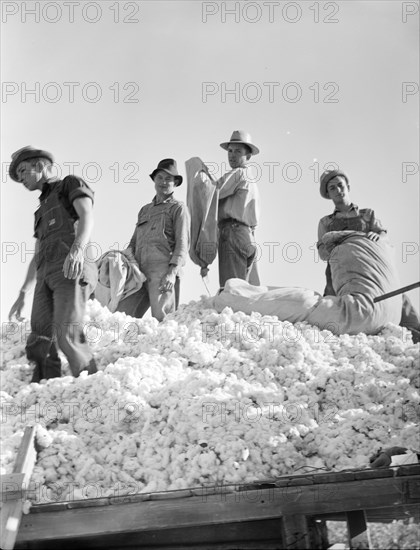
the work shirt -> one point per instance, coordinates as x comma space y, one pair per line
56, 218
161, 234
238, 197
354, 219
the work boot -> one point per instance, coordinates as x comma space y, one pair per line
37, 349
53, 363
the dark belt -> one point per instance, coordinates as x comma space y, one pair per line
232, 221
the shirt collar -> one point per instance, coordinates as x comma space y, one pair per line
352, 207
46, 189
169, 199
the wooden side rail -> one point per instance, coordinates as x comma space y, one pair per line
12, 489
294, 502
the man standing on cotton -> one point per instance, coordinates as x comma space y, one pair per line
159, 246
238, 213
64, 279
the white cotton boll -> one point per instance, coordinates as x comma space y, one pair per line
8, 356
43, 438
26, 508
170, 409
50, 473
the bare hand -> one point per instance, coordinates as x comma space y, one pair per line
17, 307
204, 271
73, 264
167, 282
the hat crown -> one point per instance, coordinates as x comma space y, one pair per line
327, 176
24, 154
169, 165
26, 149
330, 174
240, 135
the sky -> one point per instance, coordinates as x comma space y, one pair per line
111, 88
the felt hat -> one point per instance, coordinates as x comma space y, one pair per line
26, 153
168, 166
239, 136
326, 177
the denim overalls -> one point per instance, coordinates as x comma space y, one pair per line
59, 303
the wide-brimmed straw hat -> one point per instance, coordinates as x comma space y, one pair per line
239, 136
326, 177
26, 153
168, 166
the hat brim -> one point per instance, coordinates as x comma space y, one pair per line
254, 149
323, 190
178, 179
27, 155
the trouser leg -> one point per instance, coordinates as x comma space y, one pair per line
177, 291
161, 303
136, 304
69, 308
237, 254
410, 319
253, 276
53, 363
329, 289
39, 341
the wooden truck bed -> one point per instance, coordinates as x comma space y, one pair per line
289, 512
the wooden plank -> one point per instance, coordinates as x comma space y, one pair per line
296, 533
381, 515
11, 511
216, 509
262, 535
407, 470
11, 486
357, 530
374, 474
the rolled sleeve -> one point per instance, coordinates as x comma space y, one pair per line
75, 188
182, 236
322, 227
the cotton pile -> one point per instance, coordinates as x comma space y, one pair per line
205, 398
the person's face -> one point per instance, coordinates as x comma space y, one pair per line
164, 184
31, 174
338, 189
238, 155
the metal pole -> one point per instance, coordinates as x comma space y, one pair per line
396, 292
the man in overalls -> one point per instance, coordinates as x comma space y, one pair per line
159, 245
334, 185
64, 278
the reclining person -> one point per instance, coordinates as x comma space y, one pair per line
361, 270
334, 185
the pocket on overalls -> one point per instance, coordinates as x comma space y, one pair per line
52, 220
157, 228
53, 250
